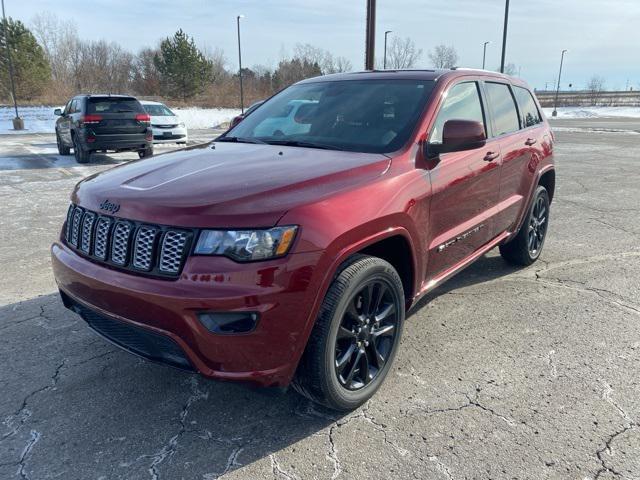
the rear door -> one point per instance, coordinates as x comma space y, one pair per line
116, 116
518, 143
464, 185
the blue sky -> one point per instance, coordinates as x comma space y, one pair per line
603, 36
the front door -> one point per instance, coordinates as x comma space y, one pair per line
464, 186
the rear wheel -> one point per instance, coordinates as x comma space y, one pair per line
527, 245
62, 148
356, 335
147, 152
82, 155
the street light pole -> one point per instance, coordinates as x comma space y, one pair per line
240, 65
484, 54
385, 49
555, 103
370, 46
17, 122
504, 35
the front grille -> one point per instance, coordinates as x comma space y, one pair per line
172, 248
165, 126
87, 230
120, 243
142, 254
154, 250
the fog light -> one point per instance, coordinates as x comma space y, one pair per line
229, 323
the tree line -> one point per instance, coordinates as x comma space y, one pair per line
52, 63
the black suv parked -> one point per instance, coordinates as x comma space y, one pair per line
91, 123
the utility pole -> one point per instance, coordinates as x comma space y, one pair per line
555, 103
370, 46
384, 62
18, 123
484, 54
504, 35
240, 65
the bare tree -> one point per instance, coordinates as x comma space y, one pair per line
595, 88
61, 44
402, 53
327, 62
510, 69
443, 56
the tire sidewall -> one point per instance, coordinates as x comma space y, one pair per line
340, 395
540, 191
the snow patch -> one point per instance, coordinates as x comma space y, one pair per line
594, 112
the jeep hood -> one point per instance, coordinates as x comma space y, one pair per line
227, 184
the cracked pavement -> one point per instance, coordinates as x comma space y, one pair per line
502, 372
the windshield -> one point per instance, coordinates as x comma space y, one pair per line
158, 110
113, 105
376, 116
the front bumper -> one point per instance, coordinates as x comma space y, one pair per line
282, 291
171, 135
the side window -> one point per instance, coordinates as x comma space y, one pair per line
504, 108
462, 103
74, 106
67, 107
528, 110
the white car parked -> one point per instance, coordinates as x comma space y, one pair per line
166, 126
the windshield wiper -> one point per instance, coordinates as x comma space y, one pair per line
240, 140
299, 143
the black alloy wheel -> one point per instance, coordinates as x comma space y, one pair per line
366, 335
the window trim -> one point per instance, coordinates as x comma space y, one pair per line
493, 115
481, 98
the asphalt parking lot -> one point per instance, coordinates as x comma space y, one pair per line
503, 373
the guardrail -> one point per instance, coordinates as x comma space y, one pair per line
589, 99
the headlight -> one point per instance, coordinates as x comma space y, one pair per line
181, 124
246, 245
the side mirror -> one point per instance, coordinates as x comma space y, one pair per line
459, 135
235, 121
57, 112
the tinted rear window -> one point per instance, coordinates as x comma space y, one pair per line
503, 107
528, 109
113, 105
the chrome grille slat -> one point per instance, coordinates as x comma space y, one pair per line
120, 243
87, 231
172, 251
146, 249
102, 238
75, 227
143, 247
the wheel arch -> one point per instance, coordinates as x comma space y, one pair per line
548, 181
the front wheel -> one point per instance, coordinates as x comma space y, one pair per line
527, 245
62, 148
356, 335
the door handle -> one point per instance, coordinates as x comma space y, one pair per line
530, 141
491, 156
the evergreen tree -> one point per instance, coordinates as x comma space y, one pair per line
31, 69
184, 70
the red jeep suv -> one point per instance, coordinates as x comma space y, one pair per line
289, 249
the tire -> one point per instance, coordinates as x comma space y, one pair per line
82, 155
147, 152
322, 370
527, 245
62, 148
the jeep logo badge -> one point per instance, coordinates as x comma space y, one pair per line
107, 206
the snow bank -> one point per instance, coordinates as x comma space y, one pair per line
594, 112
42, 119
